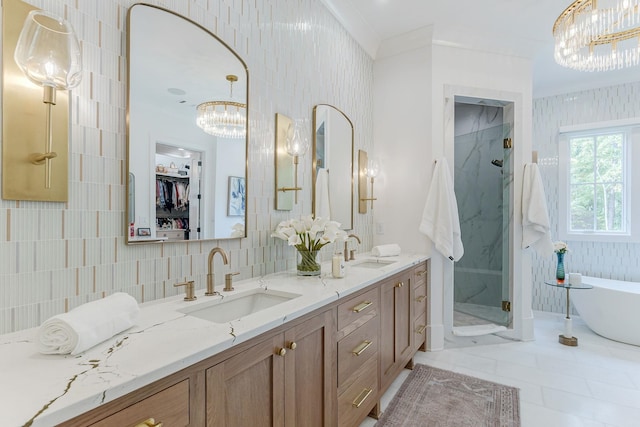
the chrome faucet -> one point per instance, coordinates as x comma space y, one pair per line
210, 278
346, 248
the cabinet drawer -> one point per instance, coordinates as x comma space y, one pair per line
356, 311
357, 348
419, 300
358, 395
420, 275
169, 406
420, 331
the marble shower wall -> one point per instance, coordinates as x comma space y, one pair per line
620, 261
55, 256
478, 188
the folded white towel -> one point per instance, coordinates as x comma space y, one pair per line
87, 325
392, 249
323, 205
440, 219
535, 218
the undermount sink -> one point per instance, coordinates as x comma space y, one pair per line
233, 307
372, 263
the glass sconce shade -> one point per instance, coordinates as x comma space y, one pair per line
297, 142
372, 168
48, 51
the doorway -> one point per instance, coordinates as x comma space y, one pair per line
483, 177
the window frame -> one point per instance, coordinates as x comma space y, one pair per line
631, 127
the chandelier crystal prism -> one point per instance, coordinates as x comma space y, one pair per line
224, 119
598, 35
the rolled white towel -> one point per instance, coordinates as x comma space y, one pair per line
392, 249
87, 325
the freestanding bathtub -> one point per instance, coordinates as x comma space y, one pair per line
610, 309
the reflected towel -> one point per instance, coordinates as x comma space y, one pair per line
392, 249
535, 218
87, 325
440, 219
322, 207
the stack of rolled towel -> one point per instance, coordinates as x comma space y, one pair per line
392, 249
87, 325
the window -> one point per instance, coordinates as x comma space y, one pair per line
595, 184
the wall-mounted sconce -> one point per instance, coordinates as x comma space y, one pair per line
291, 144
367, 169
47, 53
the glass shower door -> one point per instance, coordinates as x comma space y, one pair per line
483, 179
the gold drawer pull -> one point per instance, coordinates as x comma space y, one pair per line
361, 348
421, 329
421, 298
293, 345
281, 352
149, 423
399, 284
363, 305
421, 273
364, 394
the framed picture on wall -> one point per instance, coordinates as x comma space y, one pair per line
237, 195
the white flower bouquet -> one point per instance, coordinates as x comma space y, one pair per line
309, 235
560, 247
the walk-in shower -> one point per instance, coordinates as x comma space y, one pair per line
481, 277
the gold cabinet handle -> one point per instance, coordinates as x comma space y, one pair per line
293, 345
281, 352
361, 348
421, 273
421, 329
364, 394
149, 423
363, 305
399, 284
421, 298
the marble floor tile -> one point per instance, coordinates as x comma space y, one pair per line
596, 384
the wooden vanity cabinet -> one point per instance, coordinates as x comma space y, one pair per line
328, 368
285, 380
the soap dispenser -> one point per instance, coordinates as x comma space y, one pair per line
337, 265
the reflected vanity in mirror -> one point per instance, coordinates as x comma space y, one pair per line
332, 171
187, 131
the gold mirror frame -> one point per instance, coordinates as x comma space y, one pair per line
337, 179
216, 188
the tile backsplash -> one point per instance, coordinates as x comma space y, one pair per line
55, 256
620, 261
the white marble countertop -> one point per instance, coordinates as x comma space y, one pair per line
43, 390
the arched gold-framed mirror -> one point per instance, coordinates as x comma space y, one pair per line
332, 168
187, 164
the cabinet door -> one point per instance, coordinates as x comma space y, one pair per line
395, 327
248, 389
310, 380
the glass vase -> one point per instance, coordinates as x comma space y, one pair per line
308, 264
560, 268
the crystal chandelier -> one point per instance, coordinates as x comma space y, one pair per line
592, 35
225, 119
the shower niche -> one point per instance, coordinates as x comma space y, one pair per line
483, 177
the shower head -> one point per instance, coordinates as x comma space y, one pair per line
497, 163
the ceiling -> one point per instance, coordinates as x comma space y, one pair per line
515, 27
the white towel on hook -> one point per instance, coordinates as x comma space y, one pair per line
323, 206
87, 325
440, 219
535, 218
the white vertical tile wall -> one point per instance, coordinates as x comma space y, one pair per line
55, 256
620, 261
